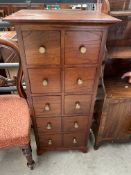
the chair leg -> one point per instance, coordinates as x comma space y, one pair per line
27, 151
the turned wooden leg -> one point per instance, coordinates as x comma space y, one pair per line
96, 147
27, 151
85, 150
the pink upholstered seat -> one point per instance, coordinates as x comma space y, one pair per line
14, 121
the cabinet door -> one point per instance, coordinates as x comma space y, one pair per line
116, 119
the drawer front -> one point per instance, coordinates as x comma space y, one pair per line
52, 124
50, 140
74, 140
79, 79
42, 47
79, 123
45, 80
77, 104
47, 105
82, 47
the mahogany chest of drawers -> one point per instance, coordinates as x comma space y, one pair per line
61, 55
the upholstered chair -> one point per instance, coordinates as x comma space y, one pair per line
14, 115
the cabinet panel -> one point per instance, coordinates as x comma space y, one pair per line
50, 141
78, 123
49, 125
45, 80
82, 47
74, 140
79, 79
117, 119
47, 105
77, 104
42, 47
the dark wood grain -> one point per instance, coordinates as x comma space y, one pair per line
48, 125
52, 76
75, 40
54, 103
86, 76
113, 115
119, 4
68, 139
71, 16
75, 123
115, 128
55, 139
72, 100
14, 46
50, 40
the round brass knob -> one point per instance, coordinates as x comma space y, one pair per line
126, 87
76, 125
74, 140
45, 82
77, 105
83, 49
42, 50
49, 142
47, 107
49, 126
79, 81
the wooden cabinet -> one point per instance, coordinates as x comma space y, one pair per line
113, 112
113, 115
61, 55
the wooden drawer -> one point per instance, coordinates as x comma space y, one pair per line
74, 140
42, 47
79, 79
82, 47
47, 105
77, 104
52, 124
45, 80
50, 140
78, 123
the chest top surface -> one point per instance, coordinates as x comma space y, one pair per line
59, 16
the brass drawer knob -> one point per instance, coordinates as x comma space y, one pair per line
42, 50
74, 140
49, 142
45, 82
79, 81
47, 107
77, 105
49, 126
83, 49
76, 125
